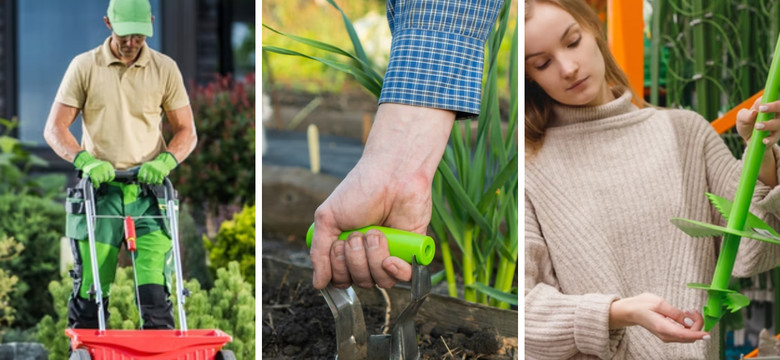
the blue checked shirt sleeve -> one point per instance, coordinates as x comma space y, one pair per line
437, 53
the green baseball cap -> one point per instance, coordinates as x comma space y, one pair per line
129, 17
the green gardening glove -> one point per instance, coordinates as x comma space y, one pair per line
98, 171
153, 172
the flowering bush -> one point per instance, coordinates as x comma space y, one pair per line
221, 169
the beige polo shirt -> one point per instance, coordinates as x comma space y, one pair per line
122, 106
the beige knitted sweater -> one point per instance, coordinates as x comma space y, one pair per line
598, 199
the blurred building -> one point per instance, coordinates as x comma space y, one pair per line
39, 38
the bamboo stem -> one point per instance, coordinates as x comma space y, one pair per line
743, 22
700, 63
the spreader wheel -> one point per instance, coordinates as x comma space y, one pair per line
81, 354
225, 355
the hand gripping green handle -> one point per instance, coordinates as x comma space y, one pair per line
403, 244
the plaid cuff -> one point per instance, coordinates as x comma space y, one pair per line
435, 69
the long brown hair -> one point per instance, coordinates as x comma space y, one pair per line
538, 105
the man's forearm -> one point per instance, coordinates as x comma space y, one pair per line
182, 144
57, 133
184, 136
408, 140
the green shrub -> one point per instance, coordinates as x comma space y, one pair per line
235, 242
193, 253
9, 249
16, 163
221, 169
228, 306
51, 329
37, 224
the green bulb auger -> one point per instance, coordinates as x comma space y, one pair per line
740, 222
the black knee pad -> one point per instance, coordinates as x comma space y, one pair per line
156, 309
83, 313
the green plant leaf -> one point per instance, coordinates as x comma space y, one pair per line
472, 173
35, 160
463, 199
6, 159
8, 144
496, 294
507, 253
359, 75
313, 43
8, 124
513, 78
499, 181
455, 228
512, 226
438, 277
460, 154
361, 54
364, 62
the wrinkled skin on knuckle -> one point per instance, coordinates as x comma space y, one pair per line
322, 213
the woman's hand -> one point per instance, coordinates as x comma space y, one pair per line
653, 313
746, 122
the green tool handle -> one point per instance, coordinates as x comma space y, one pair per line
402, 244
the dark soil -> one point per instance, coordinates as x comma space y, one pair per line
297, 324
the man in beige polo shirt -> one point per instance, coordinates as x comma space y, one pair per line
122, 88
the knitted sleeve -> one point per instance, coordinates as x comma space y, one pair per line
723, 173
437, 52
559, 326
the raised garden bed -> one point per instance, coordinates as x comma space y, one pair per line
297, 323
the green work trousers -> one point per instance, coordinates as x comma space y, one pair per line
153, 258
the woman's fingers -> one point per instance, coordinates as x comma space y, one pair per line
672, 332
770, 107
674, 325
666, 321
698, 320
772, 125
667, 310
745, 121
